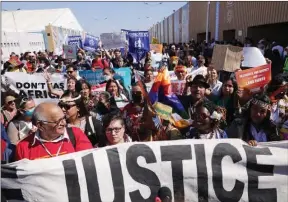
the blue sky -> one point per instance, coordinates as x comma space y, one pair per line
120, 15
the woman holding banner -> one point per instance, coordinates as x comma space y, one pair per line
207, 120
256, 125
113, 88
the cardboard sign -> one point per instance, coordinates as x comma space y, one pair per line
156, 47
254, 77
70, 51
227, 58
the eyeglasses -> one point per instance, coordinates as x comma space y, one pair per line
54, 122
117, 130
65, 106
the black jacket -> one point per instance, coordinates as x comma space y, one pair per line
240, 128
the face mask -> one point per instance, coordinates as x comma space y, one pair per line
29, 112
137, 97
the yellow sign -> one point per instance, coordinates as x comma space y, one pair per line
155, 41
156, 47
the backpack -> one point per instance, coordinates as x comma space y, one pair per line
71, 136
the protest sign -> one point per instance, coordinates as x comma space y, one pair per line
70, 51
96, 77
154, 40
90, 43
192, 170
253, 57
113, 40
255, 77
14, 61
156, 47
177, 86
35, 86
138, 44
75, 40
227, 57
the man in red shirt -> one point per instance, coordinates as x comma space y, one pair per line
98, 62
52, 138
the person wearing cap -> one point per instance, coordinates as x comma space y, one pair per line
197, 88
8, 111
21, 125
98, 62
256, 125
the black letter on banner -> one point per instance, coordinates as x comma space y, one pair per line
10, 173
72, 182
255, 170
140, 174
202, 176
117, 175
220, 151
91, 178
19, 85
176, 154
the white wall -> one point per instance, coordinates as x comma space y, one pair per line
21, 42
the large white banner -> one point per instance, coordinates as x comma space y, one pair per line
185, 23
193, 170
34, 85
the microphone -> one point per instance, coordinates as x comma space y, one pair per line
164, 195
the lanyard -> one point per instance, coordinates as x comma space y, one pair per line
49, 151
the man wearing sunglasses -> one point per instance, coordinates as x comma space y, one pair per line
52, 138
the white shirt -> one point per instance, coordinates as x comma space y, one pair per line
199, 71
149, 86
61, 137
121, 101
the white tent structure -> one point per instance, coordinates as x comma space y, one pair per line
36, 20
24, 30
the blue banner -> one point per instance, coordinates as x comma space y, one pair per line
139, 44
75, 40
126, 32
97, 77
90, 43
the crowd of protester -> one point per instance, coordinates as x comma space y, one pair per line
82, 120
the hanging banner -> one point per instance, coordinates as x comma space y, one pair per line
75, 40
187, 170
90, 43
70, 51
34, 85
96, 77
254, 78
139, 44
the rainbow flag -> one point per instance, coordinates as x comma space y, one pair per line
161, 92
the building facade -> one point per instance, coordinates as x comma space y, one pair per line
235, 19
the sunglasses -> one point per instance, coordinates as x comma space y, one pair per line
117, 130
10, 102
66, 106
24, 100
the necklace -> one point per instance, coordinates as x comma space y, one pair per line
48, 152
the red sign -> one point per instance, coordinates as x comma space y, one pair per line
255, 77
